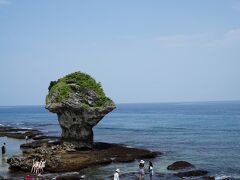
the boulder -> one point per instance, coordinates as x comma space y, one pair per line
193, 173
179, 165
209, 178
80, 103
70, 177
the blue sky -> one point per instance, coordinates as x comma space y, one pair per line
141, 51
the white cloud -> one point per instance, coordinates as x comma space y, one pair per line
5, 2
228, 38
201, 40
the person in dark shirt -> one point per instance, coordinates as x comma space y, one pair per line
4, 149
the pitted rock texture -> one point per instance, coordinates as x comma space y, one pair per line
80, 104
64, 158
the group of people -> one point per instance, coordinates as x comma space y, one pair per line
38, 166
141, 171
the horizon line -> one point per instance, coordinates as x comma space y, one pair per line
163, 102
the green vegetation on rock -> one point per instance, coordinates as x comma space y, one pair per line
84, 81
52, 83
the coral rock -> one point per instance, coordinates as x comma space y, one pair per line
80, 103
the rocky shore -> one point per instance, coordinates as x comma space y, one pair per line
80, 104
18, 133
163, 176
64, 158
181, 173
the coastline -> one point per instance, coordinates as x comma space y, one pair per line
44, 146
168, 140
71, 160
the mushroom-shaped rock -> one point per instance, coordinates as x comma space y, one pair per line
80, 103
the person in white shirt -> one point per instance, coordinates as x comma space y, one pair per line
27, 138
150, 169
116, 174
141, 170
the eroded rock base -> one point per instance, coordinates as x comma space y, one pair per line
62, 158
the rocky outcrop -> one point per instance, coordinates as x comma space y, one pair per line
179, 165
70, 177
135, 176
64, 158
184, 167
80, 103
209, 178
193, 173
160, 176
41, 143
18, 133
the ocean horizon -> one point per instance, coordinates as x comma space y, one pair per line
157, 102
153, 79
203, 133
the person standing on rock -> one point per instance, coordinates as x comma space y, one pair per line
4, 149
116, 174
141, 170
27, 138
150, 169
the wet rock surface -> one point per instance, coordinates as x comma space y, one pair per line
18, 133
192, 173
71, 177
135, 176
180, 165
156, 176
209, 178
40, 143
62, 158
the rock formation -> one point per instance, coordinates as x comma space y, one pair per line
80, 103
64, 158
179, 165
193, 173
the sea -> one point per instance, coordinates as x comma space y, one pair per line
206, 134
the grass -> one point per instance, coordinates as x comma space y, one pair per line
83, 80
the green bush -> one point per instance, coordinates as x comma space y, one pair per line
52, 83
85, 81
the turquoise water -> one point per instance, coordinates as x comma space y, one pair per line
206, 134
